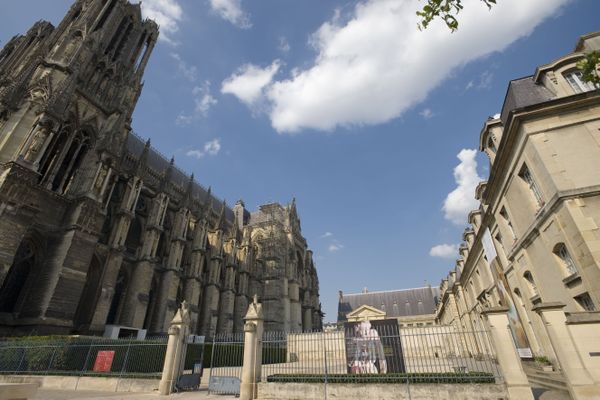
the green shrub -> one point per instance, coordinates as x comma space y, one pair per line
396, 378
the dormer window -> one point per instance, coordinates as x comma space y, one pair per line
577, 83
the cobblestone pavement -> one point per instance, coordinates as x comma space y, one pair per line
47, 394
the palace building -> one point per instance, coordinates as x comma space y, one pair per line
534, 242
96, 227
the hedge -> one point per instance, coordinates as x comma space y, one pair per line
396, 378
74, 355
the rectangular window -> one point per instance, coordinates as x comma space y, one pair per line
585, 301
576, 82
525, 174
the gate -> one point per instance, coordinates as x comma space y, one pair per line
226, 360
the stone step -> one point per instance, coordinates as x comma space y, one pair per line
552, 377
548, 384
553, 395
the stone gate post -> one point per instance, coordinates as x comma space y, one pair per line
253, 331
178, 333
516, 381
579, 381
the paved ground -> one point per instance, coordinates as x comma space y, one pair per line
46, 394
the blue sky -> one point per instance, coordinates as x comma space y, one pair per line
344, 105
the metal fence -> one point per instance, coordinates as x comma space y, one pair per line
226, 360
79, 356
384, 353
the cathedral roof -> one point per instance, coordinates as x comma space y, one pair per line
159, 164
396, 303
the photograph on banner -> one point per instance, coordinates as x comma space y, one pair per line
516, 326
373, 347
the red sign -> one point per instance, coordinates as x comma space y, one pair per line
104, 361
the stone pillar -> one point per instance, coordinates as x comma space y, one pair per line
225, 321
162, 299
175, 355
253, 331
241, 301
510, 364
307, 320
137, 296
579, 381
212, 295
295, 307
286, 306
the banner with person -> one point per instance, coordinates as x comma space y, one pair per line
373, 347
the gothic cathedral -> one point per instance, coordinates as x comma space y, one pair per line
98, 229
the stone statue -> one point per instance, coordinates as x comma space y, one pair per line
37, 142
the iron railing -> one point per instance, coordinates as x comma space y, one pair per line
226, 360
79, 356
380, 354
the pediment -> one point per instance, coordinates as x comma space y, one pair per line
366, 312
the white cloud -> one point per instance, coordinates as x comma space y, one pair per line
284, 45
334, 247
444, 251
326, 235
484, 81
167, 14
374, 64
249, 81
189, 72
231, 10
426, 113
203, 101
211, 148
461, 200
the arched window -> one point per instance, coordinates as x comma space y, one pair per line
531, 283
134, 236
71, 161
118, 34
107, 11
526, 175
560, 250
575, 80
14, 282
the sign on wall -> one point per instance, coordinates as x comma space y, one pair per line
104, 360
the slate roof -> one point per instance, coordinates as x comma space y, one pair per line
521, 93
159, 164
396, 303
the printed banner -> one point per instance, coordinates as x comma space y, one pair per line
373, 347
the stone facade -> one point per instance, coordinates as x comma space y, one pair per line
539, 210
96, 227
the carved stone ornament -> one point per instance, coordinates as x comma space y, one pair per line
37, 142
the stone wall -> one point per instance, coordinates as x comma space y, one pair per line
316, 391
